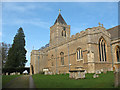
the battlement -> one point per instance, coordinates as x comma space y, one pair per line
87, 31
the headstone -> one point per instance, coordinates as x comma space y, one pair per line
101, 70
97, 76
18, 73
85, 71
94, 76
46, 72
6, 73
14, 73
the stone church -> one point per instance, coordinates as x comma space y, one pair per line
94, 49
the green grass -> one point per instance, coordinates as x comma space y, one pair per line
8, 78
63, 81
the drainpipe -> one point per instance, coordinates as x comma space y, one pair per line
68, 57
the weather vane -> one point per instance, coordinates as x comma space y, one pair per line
59, 10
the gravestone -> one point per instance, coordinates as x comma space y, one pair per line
101, 70
77, 74
6, 73
85, 71
94, 76
97, 76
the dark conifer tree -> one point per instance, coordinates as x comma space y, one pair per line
17, 53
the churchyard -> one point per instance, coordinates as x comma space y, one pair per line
103, 80
98, 80
8, 78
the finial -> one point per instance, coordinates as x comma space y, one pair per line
100, 24
59, 11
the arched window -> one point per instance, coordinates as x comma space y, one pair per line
102, 49
62, 58
118, 53
79, 54
52, 56
64, 32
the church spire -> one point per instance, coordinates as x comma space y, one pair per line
60, 19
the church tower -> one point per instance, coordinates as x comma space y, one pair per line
60, 31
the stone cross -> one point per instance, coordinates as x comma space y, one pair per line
100, 24
59, 10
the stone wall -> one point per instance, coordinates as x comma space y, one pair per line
87, 40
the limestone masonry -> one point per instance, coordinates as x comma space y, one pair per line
94, 49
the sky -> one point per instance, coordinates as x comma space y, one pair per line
36, 18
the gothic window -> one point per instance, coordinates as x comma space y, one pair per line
118, 53
102, 49
62, 58
79, 54
64, 32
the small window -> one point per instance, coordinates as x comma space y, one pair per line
64, 33
62, 58
79, 54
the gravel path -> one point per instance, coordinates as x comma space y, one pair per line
24, 81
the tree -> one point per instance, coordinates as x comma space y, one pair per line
17, 53
4, 47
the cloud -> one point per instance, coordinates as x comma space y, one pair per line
29, 22
25, 7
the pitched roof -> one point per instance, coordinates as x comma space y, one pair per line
60, 20
115, 32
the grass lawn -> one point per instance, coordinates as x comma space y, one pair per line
63, 81
7, 78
